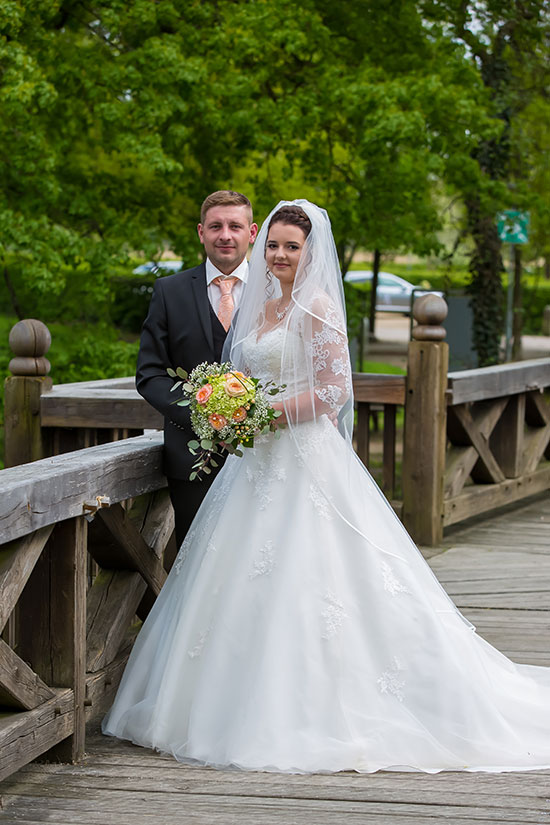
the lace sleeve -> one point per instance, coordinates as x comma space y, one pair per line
331, 364
327, 365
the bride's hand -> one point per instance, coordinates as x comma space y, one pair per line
281, 420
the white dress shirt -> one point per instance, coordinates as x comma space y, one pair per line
214, 292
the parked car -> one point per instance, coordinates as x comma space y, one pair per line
393, 294
158, 268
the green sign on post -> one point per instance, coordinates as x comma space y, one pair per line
513, 226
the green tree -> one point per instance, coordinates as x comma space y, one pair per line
115, 120
507, 44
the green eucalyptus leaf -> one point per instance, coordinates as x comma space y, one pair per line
181, 373
171, 372
206, 443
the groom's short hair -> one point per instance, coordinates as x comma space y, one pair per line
225, 197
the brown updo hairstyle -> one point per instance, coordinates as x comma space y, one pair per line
293, 216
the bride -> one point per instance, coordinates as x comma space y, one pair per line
300, 629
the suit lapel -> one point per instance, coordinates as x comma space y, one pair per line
200, 294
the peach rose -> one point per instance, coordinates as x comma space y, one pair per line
204, 393
234, 387
239, 414
217, 421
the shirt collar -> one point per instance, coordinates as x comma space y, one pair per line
241, 272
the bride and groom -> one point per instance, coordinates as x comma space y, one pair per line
300, 629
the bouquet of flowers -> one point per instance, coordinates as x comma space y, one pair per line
228, 409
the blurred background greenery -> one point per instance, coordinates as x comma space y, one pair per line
413, 122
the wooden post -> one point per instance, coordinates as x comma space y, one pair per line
52, 625
29, 341
425, 423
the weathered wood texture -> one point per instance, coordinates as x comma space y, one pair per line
498, 572
497, 451
65, 652
499, 381
379, 389
24, 438
34, 495
498, 428
97, 407
424, 441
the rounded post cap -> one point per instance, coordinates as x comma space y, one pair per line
29, 340
429, 311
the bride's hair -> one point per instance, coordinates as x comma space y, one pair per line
294, 216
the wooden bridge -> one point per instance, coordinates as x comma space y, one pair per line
86, 539
498, 572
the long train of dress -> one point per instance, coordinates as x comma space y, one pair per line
300, 630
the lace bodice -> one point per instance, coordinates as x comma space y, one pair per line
263, 355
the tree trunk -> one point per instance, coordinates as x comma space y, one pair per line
374, 287
517, 317
13, 297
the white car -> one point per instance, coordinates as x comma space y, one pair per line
393, 294
158, 268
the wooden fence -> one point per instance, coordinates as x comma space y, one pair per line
86, 535
68, 625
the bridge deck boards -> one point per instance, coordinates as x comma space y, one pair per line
497, 571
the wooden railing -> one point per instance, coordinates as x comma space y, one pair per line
67, 631
498, 430
86, 536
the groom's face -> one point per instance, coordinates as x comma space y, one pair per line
226, 234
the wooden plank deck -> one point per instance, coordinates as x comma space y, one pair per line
498, 572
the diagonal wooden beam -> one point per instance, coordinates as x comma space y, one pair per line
133, 551
153, 516
158, 531
537, 438
462, 457
112, 603
536, 444
478, 430
17, 561
459, 463
20, 687
538, 409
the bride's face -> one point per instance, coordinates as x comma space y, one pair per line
283, 250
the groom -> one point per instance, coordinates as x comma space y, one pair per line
188, 319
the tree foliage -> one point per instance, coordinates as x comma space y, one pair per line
117, 118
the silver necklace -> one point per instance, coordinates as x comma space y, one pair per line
280, 315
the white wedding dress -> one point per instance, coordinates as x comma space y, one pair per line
300, 630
